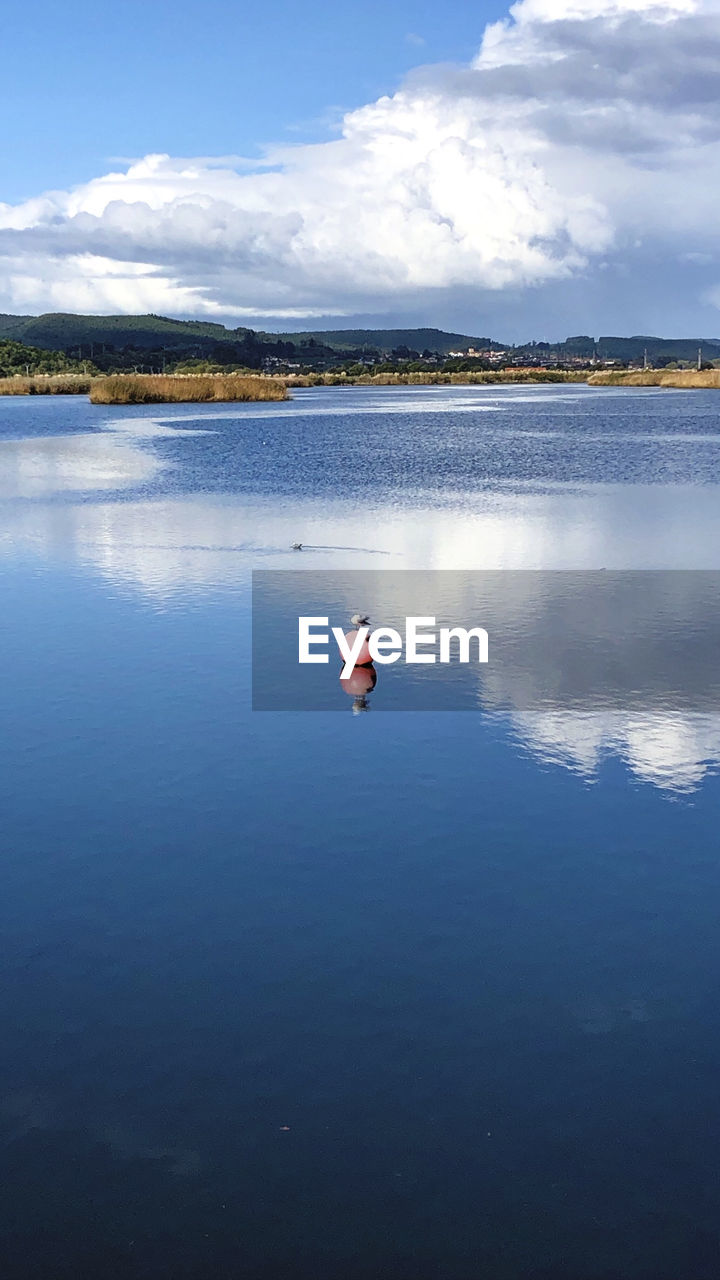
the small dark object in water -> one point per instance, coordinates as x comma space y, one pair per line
297, 546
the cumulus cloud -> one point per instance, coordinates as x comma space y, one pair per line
582, 130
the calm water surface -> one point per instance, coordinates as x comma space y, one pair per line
314, 995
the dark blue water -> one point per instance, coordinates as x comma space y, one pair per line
424, 996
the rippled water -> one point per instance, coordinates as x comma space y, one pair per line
423, 995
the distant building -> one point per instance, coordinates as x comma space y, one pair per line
472, 354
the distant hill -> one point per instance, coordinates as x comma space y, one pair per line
13, 326
61, 330
657, 348
114, 342
386, 340
150, 341
139, 342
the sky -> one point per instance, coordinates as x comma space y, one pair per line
528, 172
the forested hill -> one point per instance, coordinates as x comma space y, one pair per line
143, 342
387, 340
125, 342
59, 331
112, 342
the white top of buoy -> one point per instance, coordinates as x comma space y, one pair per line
359, 619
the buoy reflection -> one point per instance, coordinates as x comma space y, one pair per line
358, 685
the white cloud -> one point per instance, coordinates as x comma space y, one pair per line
581, 130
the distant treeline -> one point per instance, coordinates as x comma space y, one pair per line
18, 359
142, 344
159, 344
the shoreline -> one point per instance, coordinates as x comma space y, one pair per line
227, 388
487, 377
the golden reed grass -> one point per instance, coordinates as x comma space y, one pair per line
679, 378
431, 379
148, 388
61, 384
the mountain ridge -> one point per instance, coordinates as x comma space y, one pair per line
101, 338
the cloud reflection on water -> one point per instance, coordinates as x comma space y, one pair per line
582, 665
52, 465
173, 548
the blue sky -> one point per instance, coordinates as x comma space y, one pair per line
92, 82
533, 171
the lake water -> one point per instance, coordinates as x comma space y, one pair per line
321, 996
